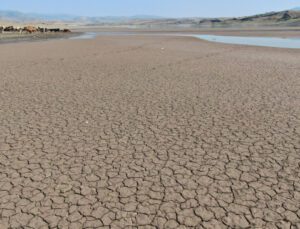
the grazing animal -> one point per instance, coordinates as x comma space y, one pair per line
54, 30
30, 29
9, 29
19, 29
42, 30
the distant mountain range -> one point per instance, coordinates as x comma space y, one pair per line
19, 16
288, 18
282, 18
16, 16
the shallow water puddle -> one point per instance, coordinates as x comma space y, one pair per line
88, 35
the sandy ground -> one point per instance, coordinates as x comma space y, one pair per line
155, 132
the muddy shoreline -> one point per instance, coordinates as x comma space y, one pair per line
268, 32
17, 37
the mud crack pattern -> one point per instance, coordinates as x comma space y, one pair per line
149, 132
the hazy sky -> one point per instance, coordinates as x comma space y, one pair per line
172, 8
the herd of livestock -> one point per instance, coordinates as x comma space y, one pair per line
31, 29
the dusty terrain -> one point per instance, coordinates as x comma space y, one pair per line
155, 132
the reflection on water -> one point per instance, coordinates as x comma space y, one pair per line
92, 35
88, 35
254, 41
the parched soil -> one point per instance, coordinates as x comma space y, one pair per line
149, 132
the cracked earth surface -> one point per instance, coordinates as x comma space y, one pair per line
149, 132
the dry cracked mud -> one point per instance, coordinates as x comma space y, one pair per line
149, 132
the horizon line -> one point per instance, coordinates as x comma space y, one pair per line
136, 15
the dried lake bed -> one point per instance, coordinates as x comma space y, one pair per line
149, 131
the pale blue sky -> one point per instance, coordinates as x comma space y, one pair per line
171, 8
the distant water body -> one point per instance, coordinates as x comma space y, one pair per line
276, 42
